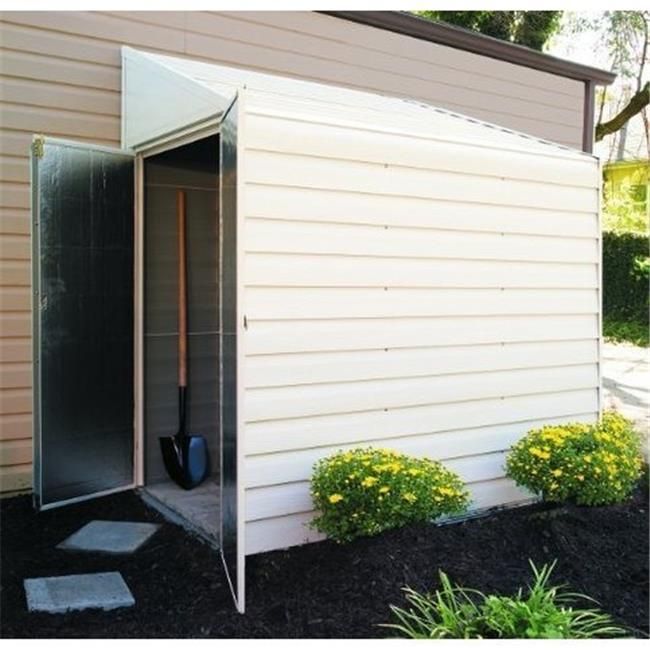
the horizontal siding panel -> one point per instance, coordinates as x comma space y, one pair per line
262, 235
290, 498
379, 40
95, 25
50, 120
299, 204
15, 222
356, 428
16, 427
293, 529
432, 67
263, 404
280, 532
561, 120
15, 452
26, 65
278, 270
318, 138
16, 324
15, 400
273, 337
425, 77
42, 39
15, 195
15, 273
14, 350
292, 466
15, 247
295, 369
59, 96
346, 176
14, 169
16, 375
15, 298
313, 303
16, 478
16, 143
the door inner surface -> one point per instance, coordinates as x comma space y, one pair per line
82, 238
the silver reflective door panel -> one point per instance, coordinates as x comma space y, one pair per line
82, 238
228, 302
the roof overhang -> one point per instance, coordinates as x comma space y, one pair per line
463, 39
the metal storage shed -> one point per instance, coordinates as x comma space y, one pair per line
386, 273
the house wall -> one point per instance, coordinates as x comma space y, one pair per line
60, 75
396, 296
621, 177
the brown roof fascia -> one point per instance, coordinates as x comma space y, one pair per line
464, 39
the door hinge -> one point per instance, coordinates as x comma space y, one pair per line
38, 146
245, 323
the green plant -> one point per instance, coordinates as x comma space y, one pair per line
363, 492
633, 332
582, 463
625, 277
544, 612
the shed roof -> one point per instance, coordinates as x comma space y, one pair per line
163, 93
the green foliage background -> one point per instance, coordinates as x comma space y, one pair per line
529, 28
625, 277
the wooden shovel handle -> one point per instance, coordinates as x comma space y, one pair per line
182, 290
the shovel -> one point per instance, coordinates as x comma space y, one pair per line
185, 455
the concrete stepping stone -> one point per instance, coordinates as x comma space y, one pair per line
110, 536
84, 591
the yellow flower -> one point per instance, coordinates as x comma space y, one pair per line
384, 489
557, 472
335, 498
369, 481
535, 451
447, 491
410, 497
415, 472
580, 477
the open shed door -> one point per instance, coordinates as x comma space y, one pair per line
232, 524
82, 237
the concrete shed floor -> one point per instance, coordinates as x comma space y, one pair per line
197, 509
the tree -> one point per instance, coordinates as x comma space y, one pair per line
529, 28
625, 34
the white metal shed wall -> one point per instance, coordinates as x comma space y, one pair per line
407, 291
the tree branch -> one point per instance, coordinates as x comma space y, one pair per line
636, 104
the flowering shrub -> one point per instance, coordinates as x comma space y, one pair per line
366, 491
582, 463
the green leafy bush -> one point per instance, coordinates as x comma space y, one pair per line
632, 331
544, 612
581, 463
363, 492
625, 278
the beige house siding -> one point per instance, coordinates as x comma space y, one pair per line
60, 75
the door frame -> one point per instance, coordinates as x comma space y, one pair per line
210, 126
164, 143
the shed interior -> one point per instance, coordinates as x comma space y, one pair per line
194, 169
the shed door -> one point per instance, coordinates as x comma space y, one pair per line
82, 237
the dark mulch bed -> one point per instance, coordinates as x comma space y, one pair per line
320, 590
